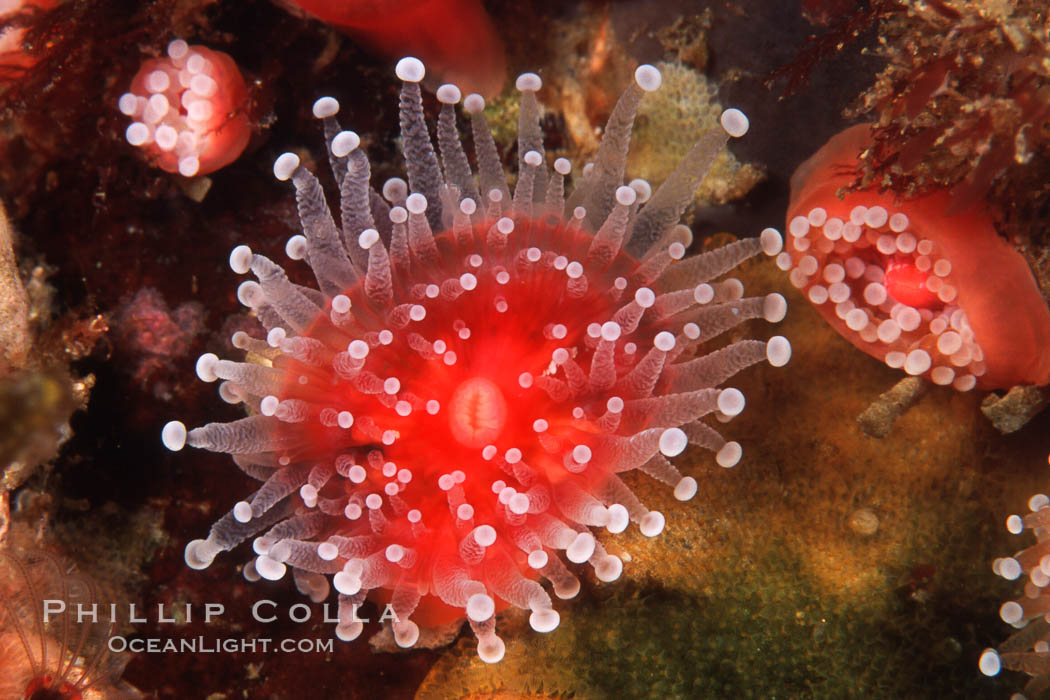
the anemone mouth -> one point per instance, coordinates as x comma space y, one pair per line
886, 287
477, 412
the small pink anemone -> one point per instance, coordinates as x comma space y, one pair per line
188, 110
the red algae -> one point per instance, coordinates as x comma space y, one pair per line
455, 38
962, 104
940, 296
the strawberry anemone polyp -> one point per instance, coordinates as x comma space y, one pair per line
448, 412
944, 297
188, 110
1028, 649
456, 38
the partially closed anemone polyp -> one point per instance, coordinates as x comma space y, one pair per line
446, 415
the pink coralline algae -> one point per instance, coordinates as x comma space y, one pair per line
446, 415
155, 334
188, 110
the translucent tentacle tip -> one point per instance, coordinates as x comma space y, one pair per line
410, 70
285, 165
652, 524
173, 435
778, 351
206, 367
241, 259
771, 240
326, 107
448, 94
544, 620
406, 633
618, 518
731, 402
990, 663
480, 607
416, 203
626, 196
672, 442
686, 488
729, 455
195, 557
491, 650
528, 82
774, 308
648, 77
344, 142
734, 122
609, 568
473, 103
269, 569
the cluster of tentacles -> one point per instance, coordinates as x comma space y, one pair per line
445, 417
